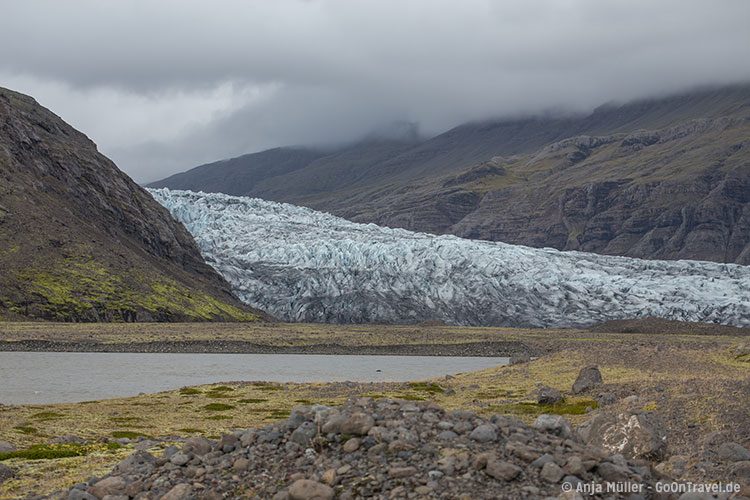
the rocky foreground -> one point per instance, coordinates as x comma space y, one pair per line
377, 448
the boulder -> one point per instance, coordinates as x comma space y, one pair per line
357, 424
197, 445
484, 433
304, 434
113, 485
588, 378
635, 435
733, 452
6, 446
546, 395
180, 491
554, 424
305, 489
140, 462
503, 471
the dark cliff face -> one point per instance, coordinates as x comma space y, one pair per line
81, 241
659, 178
677, 193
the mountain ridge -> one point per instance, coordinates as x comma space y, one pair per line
402, 184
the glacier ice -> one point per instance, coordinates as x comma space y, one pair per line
302, 265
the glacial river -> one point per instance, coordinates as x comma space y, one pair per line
66, 377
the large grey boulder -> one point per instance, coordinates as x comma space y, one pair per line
588, 378
633, 434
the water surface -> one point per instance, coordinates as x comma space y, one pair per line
66, 377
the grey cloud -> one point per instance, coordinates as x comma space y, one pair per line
328, 71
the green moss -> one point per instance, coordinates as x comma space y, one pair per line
47, 452
218, 395
270, 387
218, 407
80, 289
580, 407
278, 414
303, 401
128, 435
125, 420
410, 397
190, 430
25, 429
429, 387
47, 415
221, 388
252, 400
190, 391
745, 358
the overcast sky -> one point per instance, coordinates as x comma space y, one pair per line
163, 86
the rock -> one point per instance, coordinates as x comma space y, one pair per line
484, 433
351, 445
305, 489
554, 424
304, 434
543, 460
447, 436
197, 445
551, 472
606, 398
228, 443
733, 452
67, 439
180, 458
503, 471
76, 494
612, 472
113, 485
400, 472
178, 492
741, 470
5, 446
574, 466
588, 378
635, 435
357, 424
140, 462
546, 395
329, 477
5, 473
241, 464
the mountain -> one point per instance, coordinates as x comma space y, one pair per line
303, 265
662, 178
80, 241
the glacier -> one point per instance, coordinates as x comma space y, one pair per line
302, 265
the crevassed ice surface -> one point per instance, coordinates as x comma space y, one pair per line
303, 265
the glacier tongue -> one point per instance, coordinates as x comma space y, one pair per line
303, 265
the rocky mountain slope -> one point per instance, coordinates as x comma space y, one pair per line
661, 178
80, 241
303, 265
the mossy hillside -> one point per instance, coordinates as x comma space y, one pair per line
84, 290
